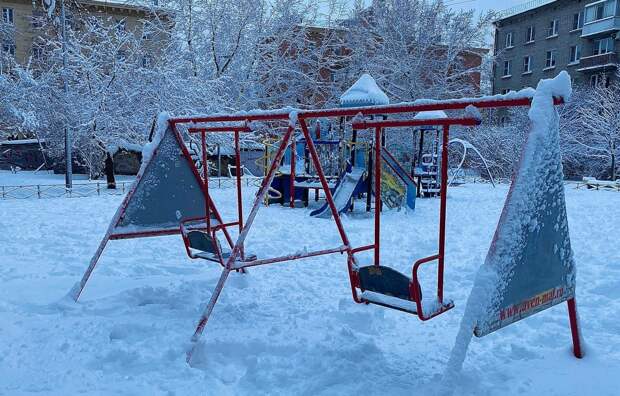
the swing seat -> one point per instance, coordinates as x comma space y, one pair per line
387, 287
209, 247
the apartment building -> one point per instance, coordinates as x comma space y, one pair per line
540, 38
23, 21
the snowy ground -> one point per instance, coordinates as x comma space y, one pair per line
292, 328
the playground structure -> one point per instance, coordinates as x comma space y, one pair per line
457, 172
192, 213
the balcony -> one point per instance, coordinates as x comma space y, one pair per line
601, 18
598, 62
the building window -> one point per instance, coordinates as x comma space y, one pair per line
147, 62
575, 54
509, 40
600, 10
37, 53
550, 59
578, 20
554, 27
8, 49
7, 16
603, 46
507, 68
530, 34
527, 64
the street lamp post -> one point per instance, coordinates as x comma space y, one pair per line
68, 145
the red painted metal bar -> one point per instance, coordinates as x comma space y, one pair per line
238, 177
284, 114
205, 171
377, 252
239, 188
332, 206
292, 174
289, 257
362, 249
414, 123
144, 234
225, 129
574, 328
443, 210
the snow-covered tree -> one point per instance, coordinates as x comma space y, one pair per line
591, 131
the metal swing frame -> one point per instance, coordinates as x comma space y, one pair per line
240, 123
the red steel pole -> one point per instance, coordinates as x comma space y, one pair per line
442, 210
238, 177
377, 194
574, 327
292, 175
205, 171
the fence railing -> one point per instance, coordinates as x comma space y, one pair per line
41, 191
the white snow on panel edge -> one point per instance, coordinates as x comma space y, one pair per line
150, 147
365, 91
431, 115
484, 295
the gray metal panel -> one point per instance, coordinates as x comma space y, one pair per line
167, 192
540, 271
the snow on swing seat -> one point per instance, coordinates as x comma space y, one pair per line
386, 287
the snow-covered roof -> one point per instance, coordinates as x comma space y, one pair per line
524, 7
430, 115
365, 92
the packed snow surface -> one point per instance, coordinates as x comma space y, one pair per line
291, 328
365, 92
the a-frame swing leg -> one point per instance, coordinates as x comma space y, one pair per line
236, 251
207, 312
77, 290
574, 327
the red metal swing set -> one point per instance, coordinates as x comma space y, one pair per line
373, 284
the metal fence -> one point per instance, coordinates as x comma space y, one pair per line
41, 191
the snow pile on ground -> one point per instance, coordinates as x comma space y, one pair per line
365, 92
291, 328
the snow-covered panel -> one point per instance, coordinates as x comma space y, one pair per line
531, 251
529, 266
365, 92
167, 189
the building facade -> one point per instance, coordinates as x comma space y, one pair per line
543, 37
23, 22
